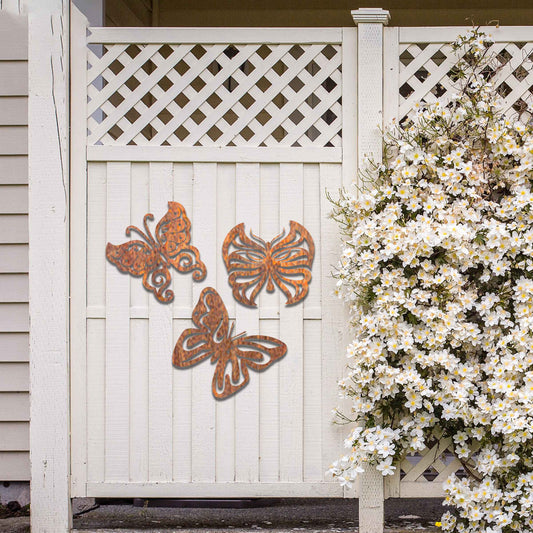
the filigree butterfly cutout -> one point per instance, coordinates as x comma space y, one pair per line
212, 337
285, 261
153, 257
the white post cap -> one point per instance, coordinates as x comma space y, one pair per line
374, 15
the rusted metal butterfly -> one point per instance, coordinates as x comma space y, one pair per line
212, 337
285, 261
152, 259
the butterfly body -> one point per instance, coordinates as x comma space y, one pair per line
152, 257
211, 338
284, 262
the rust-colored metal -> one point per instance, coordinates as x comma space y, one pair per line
153, 257
234, 355
285, 261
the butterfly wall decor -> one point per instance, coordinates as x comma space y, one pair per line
153, 257
285, 261
212, 337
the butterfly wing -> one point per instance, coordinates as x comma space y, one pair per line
292, 259
211, 326
246, 264
256, 352
174, 235
139, 258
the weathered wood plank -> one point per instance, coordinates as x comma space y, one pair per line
14, 347
13, 258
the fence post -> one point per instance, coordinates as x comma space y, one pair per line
370, 22
48, 135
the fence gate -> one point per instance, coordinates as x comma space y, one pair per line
237, 125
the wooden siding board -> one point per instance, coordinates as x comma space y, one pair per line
13, 37
15, 466
14, 436
14, 407
14, 317
13, 111
14, 347
13, 170
13, 199
14, 288
13, 229
13, 140
13, 258
14, 78
14, 377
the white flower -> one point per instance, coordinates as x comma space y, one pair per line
385, 467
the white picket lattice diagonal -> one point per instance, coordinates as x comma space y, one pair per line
254, 95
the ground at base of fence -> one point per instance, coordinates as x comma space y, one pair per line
289, 515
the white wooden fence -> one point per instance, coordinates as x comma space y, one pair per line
237, 125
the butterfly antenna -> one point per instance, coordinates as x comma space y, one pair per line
257, 238
130, 229
146, 218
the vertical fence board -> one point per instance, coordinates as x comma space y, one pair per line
203, 405
96, 285
139, 335
247, 209
96, 405
225, 410
332, 345
117, 329
269, 421
160, 346
291, 332
312, 364
183, 302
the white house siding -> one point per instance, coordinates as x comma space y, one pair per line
14, 319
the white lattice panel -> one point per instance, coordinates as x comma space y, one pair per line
215, 95
426, 74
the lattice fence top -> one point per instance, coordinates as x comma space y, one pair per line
426, 74
215, 95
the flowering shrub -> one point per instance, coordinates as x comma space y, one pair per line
437, 267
